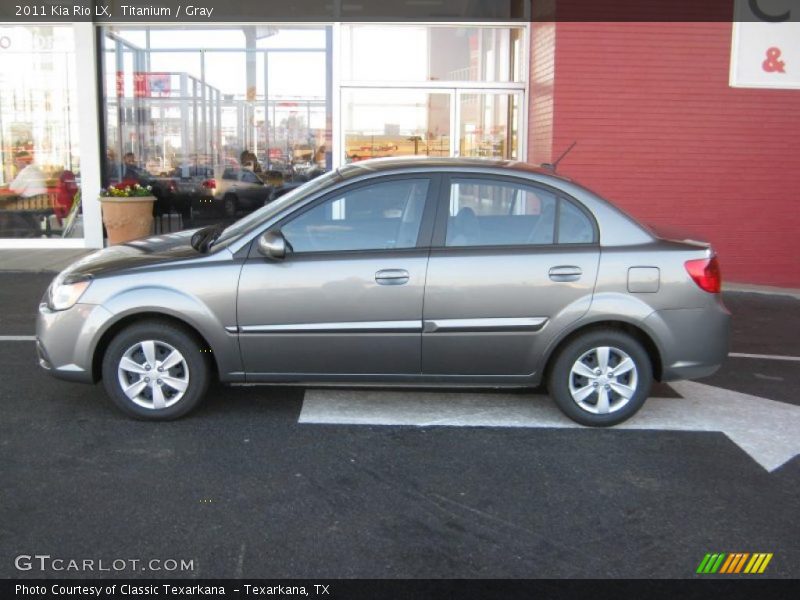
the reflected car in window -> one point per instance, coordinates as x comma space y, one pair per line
415, 272
239, 190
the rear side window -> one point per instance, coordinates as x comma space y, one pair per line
484, 212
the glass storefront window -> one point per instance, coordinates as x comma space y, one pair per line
435, 90
379, 123
191, 107
39, 153
432, 53
488, 125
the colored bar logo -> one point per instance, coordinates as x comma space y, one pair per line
734, 562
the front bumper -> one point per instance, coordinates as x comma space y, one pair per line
693, 342
66, 339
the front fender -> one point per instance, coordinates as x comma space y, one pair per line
170, 302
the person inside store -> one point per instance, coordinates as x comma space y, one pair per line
132, 172
22, 212
30, 180
111, 165
248, 160
66, 190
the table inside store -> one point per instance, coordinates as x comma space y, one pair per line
22, 217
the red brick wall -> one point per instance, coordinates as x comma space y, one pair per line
661, 133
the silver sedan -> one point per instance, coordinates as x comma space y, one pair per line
412, 272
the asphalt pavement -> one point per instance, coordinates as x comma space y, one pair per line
260, 483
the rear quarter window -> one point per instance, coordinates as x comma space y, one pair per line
574, 226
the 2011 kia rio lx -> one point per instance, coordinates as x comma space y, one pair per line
417, 272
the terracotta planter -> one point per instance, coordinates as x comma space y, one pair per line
127, 219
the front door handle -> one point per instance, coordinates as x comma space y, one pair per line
391, 277
565, 273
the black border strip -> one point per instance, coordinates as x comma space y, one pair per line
325, 11
730, 588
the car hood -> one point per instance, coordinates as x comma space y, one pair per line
158, 249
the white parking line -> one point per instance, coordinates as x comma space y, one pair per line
767, 430
765, 356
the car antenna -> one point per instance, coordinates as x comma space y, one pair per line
554, 166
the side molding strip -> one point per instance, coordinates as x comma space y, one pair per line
484, 325
351, 327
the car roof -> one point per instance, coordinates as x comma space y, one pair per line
376, 165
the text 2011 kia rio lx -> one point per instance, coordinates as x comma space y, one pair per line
444, 272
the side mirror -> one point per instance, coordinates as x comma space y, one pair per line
272, 244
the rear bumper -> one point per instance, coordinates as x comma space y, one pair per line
693, 342
65, 340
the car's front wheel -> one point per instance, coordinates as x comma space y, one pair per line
601, 378
155, 370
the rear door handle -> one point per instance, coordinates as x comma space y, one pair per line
565, 273
391, 277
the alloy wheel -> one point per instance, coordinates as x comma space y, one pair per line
153, 374
603, 380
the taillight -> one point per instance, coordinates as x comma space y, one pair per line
706, 274
210, 184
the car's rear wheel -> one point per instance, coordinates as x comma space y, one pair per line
601, 378
154, 370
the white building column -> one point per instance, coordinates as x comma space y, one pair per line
89, 132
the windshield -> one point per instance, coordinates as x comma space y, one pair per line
245, 224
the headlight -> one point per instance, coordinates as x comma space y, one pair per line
63, 295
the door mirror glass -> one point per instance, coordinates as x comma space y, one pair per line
272, 245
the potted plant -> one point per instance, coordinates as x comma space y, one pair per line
127, 212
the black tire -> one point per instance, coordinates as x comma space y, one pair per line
561, 376
194, 369
229, 205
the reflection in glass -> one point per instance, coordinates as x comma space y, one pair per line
39, 154
193, 107
488, 125
380, 216
494, 213
380, 123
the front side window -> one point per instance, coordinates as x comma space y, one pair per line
378, 216
499, 213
